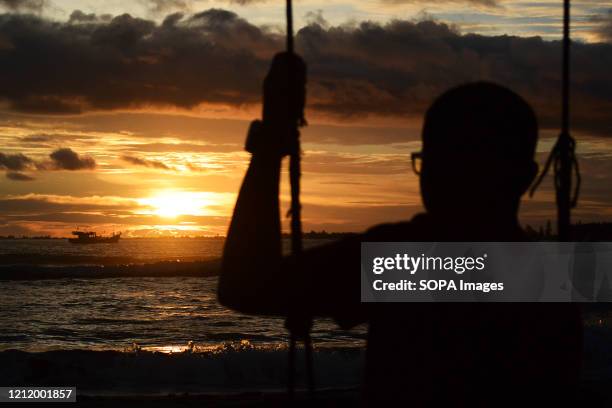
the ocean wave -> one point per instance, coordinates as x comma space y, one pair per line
227, 367
218, 368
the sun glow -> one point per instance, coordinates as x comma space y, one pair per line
171, 204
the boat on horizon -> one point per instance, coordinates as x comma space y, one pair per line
91, 237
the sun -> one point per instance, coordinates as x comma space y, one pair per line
172, 204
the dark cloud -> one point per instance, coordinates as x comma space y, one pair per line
604, 26
67, 159
15, 162
215, 57
132, 62
316, 17
39, 204
36, 139
400, 67
44, 139
16, 176
29, 5
61, 159
137, 161
79, 17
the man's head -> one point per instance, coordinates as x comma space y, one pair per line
479, 143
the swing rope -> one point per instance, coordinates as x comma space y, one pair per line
563, 154
298, 325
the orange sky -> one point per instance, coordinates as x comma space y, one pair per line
186, 172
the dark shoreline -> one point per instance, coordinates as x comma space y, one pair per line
204, 268
322, 398
227, 373
105, 378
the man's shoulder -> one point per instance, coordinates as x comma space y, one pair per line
424, 228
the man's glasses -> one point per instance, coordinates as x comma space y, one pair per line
417, 162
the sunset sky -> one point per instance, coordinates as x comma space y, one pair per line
131, 115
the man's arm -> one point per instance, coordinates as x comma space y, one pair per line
250, 281
255, 278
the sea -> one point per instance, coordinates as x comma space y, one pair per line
141, 317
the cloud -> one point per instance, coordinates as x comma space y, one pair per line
604, 26
144, 162
486, 3
15, 162
48, 203
316, 17
398, 68
132, 62
29, 5
36, 139
61, 159
246, 2
16, 176
163, 6
77, 17
349, 163
67, 159
216, 58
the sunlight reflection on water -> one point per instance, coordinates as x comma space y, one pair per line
161, 314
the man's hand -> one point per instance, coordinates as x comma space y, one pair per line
284, 97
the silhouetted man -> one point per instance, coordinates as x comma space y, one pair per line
477, 161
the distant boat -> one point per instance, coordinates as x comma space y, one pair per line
90, 237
